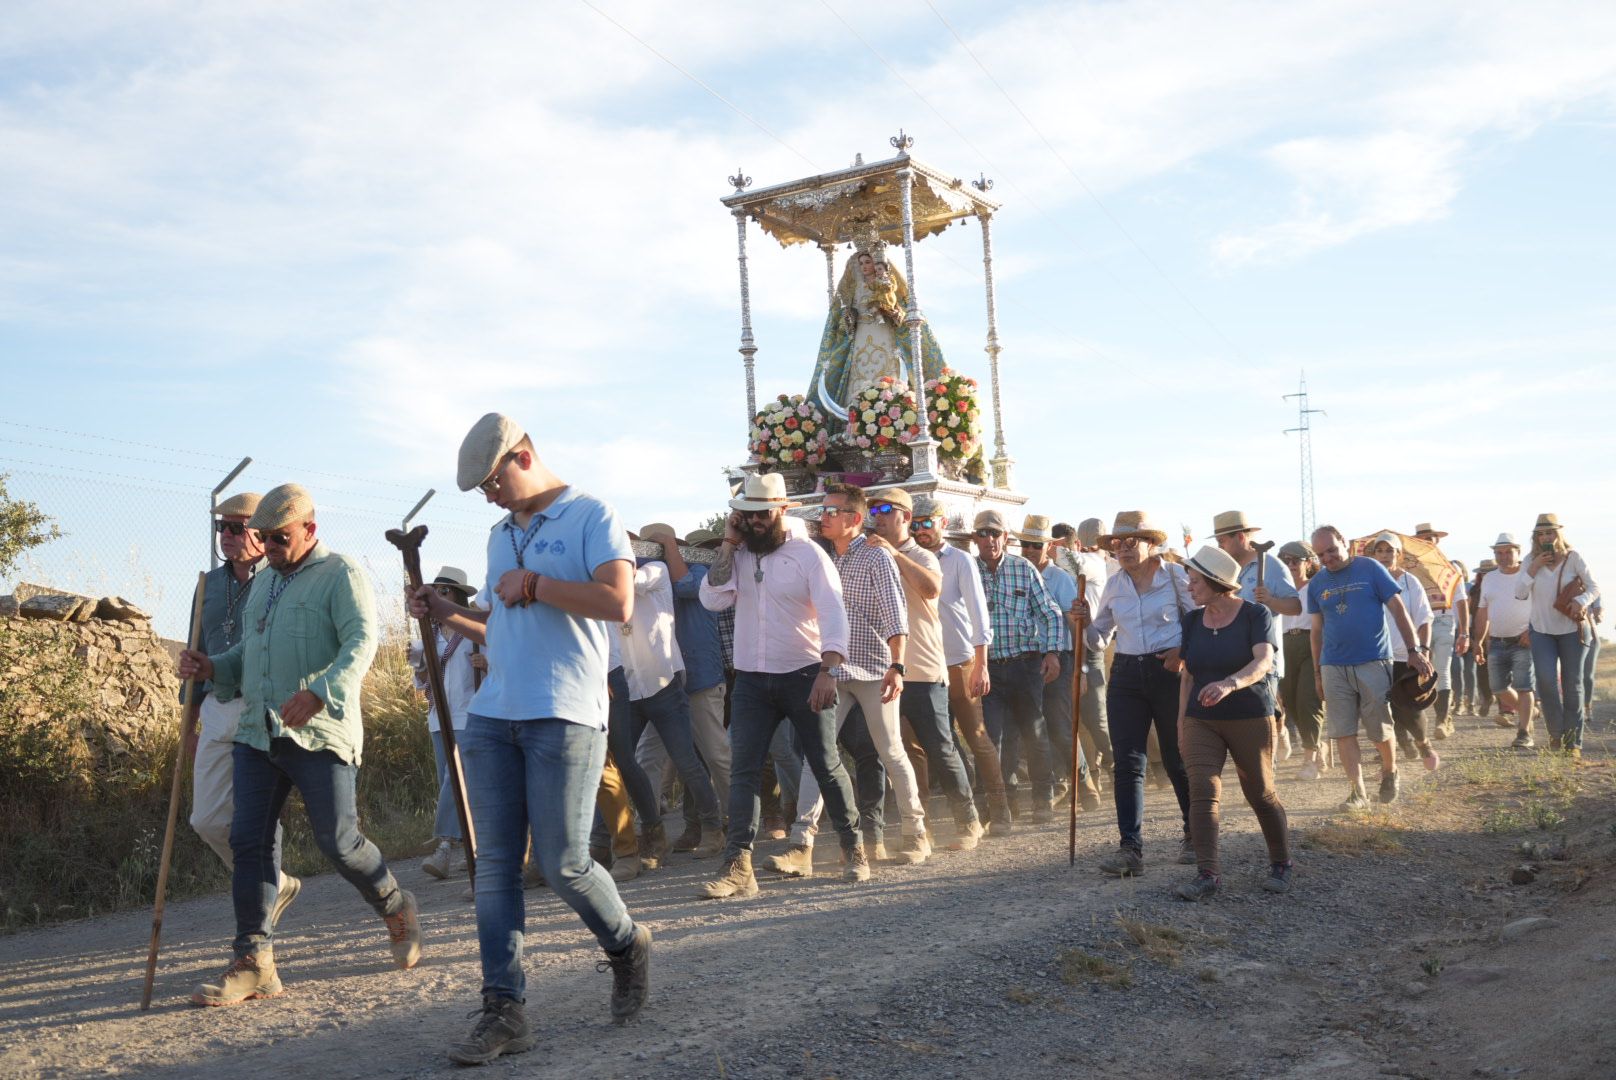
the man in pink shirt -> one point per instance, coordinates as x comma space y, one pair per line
790, 634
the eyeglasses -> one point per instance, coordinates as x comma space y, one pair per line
491, 485
756, 515
988, 534
234, 528
836, 511
1290, 560
281, 538
1127, 541
1027, 545
921, 523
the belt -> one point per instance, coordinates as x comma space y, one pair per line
1141, 656
1504, 640
1288, 633
1017, 656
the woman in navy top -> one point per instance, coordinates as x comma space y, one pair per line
1226, 709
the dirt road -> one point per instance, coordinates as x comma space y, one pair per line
1384, 960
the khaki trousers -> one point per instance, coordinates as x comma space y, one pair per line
1205, 746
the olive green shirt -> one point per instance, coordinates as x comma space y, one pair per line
320, 634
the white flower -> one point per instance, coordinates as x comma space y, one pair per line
948, 444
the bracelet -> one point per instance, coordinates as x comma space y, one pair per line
530, 586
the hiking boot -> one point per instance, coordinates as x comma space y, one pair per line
999, 823
1089, 798
1388, 787
290, 887
774, 828
970, 834
689, 839
877, 850
1186, 851
631, 975
1356, 799
404, 932
533, 877
737, 879
1554, 742
1042, 813
1574, 753
1060, 791
857, 864
1125, 862
1429, 756
448, 859
249, 976
501, 1029
798, 861
1279, 877
627, 868
914, 850
712, 843
1201, 888
1523, 741
653, 846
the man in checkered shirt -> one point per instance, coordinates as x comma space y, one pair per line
871, 677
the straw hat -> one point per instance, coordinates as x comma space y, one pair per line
1035, 530
1547, 521
242, 505
990, 519
455, 578
282, 506
1088, 532
654, 527
1133, 523
1426, 527
1506, 540
699, 537
1232, 521
1485, 566
489, 440
762, 492
1216, 565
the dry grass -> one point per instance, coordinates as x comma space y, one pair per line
1078, 967
1163, 944
1372, 834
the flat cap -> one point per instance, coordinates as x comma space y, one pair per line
283, 506
242, 504
896, 496
489, 439
990, 519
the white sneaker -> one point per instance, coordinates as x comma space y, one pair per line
1308, 771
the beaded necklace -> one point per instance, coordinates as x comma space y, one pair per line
276, 587
520, 546
233, 599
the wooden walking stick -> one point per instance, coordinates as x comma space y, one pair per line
410, 544
187, 719
1077, 713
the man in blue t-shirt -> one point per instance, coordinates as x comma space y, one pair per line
1350, 599
560, 570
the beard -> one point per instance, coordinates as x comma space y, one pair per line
768, 540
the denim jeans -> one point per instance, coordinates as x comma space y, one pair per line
1016, 696
1444, 625
869, 783
621, 735
326, 782
538, 774
925, 706
1093, 707
759, 703
1509, 665
1143, 693
1589, 663
669, 711
1057, 711
1462, 670
1557, 661
446, 823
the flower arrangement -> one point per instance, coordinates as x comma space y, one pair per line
790, 430
882, 416
956, 418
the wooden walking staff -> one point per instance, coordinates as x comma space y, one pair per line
410, 544
1077, 713
187, 718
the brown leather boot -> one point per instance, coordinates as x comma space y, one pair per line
249, 976
736, 880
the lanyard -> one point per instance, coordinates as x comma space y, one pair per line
520, 546
276, 587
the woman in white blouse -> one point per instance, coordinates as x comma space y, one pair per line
1561, 588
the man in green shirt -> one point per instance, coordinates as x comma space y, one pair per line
309, 634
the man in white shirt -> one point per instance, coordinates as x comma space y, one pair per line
790, 636
1408, 722
1450, 636
1502, 624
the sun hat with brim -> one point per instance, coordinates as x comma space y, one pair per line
1134, 523
1427, 527
990, 519
698, 537
1486, 565
244, 505
1547, 521
455, 578
1216, 565
1412, 692
1035, 529
282, 506
1232, 521
654, 527
763, 492
488, 441
1506, 540
1296, 549
1089, 530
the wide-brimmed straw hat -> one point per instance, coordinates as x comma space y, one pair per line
654, 527
1232, 521
489, 440
282, 506
1427, 527
699, 537
1486, 565
1506, 540
1216, 565
766, 491
244, 504
1547, 521
1035, 529
455, 578
1133, 523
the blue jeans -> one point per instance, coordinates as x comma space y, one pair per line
669, 710
538, 774
1589, 662
326, 782
1058, 724
446, 823
759, 702
622, 737
1142, 693
925, 706
1016, 697
1509, 664
1558, 660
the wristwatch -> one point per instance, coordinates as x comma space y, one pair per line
895, 666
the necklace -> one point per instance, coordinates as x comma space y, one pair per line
520, 546
233, 599
757, 572
276, 587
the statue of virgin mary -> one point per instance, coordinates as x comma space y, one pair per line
865, 336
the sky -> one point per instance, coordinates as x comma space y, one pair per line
329, 236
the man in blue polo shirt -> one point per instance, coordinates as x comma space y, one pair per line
1352, 655
560, 570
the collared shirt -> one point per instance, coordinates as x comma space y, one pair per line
698, 631
1063, 591
963, 606
923, 650
788, 607
726, 635
459, 678
1419, 611
651, 656
1277, 580
224, 603
1023, 616
319, 635
1143, 623
545, 663
873, 596
1544, 589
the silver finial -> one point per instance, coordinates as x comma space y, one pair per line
901, 141
982, 183
740, 181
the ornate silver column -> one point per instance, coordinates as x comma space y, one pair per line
1001, 461
748, 348
830, 272
923, 451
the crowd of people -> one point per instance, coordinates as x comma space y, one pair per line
821, 665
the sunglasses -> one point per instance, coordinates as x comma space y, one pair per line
755, 515
836, 511
882, 508
921, 523
234, 528
985, 534
491, 485
1128, 541
281, 538
1028, 544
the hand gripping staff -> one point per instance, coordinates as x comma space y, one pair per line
1077, 712
410, 544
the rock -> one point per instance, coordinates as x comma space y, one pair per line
1523, 874
1416, 989
1472, 976
113, 608
8, 606
1521, 927
57, 608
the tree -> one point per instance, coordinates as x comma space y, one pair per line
23, 526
